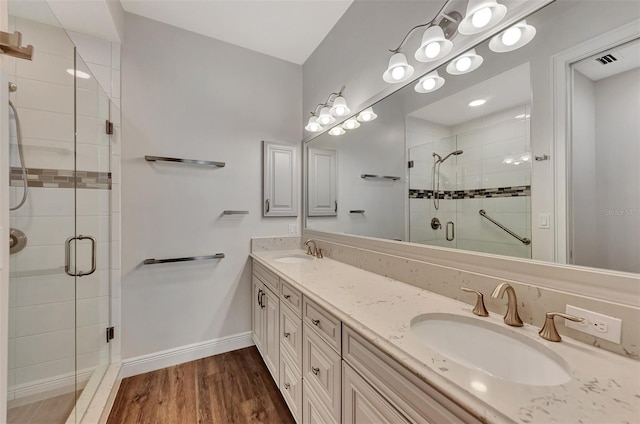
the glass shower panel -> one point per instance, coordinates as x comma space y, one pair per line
42, 360
92, 245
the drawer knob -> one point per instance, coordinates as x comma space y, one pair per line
315, 321
287, 334
315, 371
287, 296
287, 385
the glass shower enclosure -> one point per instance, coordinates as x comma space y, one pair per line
60, 181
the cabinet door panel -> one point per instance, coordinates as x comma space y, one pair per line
313, 409
321, 368
291, 386
257, 320
271, 342
280, 179
322, 182
291, 335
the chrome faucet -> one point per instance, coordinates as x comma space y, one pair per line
315, 251
511, 317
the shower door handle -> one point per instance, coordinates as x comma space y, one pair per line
67, 256
453, 231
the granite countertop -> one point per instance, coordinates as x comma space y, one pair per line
605, 387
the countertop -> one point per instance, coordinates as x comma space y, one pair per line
605, 387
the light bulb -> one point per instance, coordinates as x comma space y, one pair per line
475, 103
325, 120
432, 50
367, 115
351, 124
340, 110
507, 160
463, 64
429, 84
481, 18
336, 131
511, 36
397, 73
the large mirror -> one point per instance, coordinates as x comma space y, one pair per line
469, 164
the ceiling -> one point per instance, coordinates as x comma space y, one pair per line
627, 57
287, 29
510, 88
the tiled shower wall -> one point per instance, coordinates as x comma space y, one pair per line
489, 175
43, 311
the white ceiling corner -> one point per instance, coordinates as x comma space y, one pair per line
286, 29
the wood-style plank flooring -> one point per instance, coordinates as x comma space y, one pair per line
54, 410
233, 387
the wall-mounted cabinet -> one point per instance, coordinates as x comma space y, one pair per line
323, 182
281, 176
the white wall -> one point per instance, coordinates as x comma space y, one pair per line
617, 125
186, 95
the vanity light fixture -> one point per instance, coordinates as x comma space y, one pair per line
351, 124
334, 106
465, 63
476, 103
429, 83
513, 38
367, 115
398, 70
313, 125
434, 45
336, 131
481, 15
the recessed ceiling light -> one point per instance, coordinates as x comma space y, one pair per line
478, 102
78, 74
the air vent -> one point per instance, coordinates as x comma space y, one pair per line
606, 59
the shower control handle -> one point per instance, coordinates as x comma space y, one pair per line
453, 231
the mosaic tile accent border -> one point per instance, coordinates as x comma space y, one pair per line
514, 191
61, 178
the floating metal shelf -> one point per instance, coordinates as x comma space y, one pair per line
360, 211
235, 212
187, 259
189, 161
379, 177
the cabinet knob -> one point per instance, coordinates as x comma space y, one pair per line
315, 322
287, 334
315, 371
287, 385
287, 296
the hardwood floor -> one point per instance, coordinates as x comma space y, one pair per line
233, 387
54, 410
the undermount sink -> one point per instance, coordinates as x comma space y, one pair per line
294, 259
497, 351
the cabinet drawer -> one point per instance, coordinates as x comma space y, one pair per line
313, 410
291, 297
291, 386
362, 404
267, 277
321, 369
291, 336
323, 322
414, 398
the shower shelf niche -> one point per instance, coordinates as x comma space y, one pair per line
188, 161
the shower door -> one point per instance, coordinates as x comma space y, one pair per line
59, 279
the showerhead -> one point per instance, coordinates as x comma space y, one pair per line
454, 153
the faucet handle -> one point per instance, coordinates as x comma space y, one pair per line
548, 330
479, 309
309, 251
318, 253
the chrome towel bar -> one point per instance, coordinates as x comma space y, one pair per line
524, 240
189, 161
379, 177
187, 259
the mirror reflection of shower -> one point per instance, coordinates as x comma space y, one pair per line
12, 88
435, 185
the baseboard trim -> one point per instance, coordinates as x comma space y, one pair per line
182, 354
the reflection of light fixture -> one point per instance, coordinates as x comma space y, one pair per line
481, 387
325, 117
481, 15
78, 74
398, 70
367, 115
507, 160
522, 116
513, 37
476, 103
312, 125
430, 82
434, 45
525, 157
466, 62
351, 124
336, 105
339, 107
336, 131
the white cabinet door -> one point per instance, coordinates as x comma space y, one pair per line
271, 341
362, 404
257, 316
322, 182
280, 179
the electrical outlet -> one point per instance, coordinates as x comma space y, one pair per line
293, 229
598, 325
